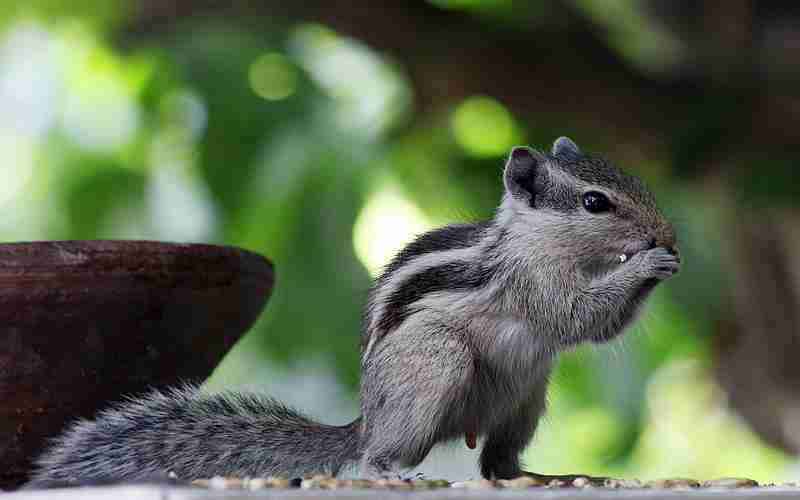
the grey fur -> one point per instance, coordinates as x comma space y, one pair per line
191, 434
564, 147
460, 334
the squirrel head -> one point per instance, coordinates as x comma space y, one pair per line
580, 208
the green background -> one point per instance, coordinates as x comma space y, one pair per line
288, 137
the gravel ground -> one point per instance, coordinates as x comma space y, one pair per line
328, 488
522, 483
151, 492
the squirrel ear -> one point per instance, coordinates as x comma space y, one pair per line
520, 174
566, 149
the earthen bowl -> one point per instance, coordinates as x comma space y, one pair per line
83, 323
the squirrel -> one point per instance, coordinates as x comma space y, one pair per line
460, 334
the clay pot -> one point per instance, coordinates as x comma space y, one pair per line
83, 323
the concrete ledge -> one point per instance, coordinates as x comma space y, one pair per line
159, 492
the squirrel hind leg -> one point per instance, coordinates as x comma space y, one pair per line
379, 466
410, 404
387, 458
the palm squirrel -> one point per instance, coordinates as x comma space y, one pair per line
460, 334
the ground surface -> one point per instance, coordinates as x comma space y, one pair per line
163, 492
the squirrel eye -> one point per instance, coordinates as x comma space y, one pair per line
595, 202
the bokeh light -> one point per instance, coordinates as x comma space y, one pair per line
369, 93
387, 222
484, 127
273, 77
30, 80
100, 111
17, 168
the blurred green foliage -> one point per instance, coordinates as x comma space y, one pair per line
259, 136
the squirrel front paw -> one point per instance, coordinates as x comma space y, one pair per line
659, 263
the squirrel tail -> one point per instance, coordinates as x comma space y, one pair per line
186, 434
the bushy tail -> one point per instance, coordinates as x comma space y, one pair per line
196, 435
